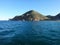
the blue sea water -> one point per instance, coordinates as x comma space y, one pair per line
29, 32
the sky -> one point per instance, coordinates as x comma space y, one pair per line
11, 8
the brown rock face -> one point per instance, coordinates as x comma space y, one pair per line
31, 16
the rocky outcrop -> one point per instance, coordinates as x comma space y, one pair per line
51, 17
31, 16
57, 17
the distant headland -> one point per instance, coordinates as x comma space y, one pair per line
35, 16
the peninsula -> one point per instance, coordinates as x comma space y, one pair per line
35, 16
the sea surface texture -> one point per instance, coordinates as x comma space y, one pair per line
29, 32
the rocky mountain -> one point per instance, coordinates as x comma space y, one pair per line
57, 17
30, 16
35, 16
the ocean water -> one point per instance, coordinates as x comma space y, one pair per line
29, 33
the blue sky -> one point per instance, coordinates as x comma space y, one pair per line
11, 8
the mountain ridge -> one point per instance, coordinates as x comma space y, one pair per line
33, 15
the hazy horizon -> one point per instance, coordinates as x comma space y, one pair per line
11, 8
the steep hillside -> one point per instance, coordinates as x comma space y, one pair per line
30, 16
